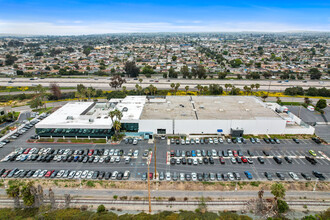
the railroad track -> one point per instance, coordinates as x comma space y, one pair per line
165, 203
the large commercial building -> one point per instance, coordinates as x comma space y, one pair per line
183, 115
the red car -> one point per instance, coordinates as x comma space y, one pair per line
27, 151
172, 153
151, 175
222, 161
49, 173
90, 153
244, 160
235, 153
5, 173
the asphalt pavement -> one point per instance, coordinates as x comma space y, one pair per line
138, 165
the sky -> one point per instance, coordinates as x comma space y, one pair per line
76, 17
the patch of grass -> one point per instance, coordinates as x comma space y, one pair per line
45, 140
255, 183
208, 183
90, 184
62, 140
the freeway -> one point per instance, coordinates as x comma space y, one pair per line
103, 83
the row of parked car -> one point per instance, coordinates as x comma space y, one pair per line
294, 176
68, 155
64, 174
167, 176
28, 125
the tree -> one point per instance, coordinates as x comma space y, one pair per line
222, 75
87, 50
176, 88
201, 72
27, 196
172, 86
116, 82
235, 63
35, 103
90, 92
186, 88
131, 69
278, 190
10, 60
321, 104
14, 192
315, 73
56, 90
185, 71
172, 73
307, 101
100, 209
148, 70
174, 58
227, 85
282, 206
215, 89
257, 85
140, 80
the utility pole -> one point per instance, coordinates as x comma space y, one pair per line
149, 188
155, 160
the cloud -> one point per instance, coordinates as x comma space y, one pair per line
80, 27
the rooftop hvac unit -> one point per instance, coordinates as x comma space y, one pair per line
221, 110
240, 102
201, 107
91, 120
247, 110
125, 109
183, 114
69, 118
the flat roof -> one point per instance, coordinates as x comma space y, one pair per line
74, 115
208, 108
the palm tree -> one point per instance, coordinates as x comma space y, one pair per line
146, 91
140, 80
205, 89
186, 88
257, 85
124, 89
90, 92
172, 86
112, 114
118, 114
252, 86
117, 126
199, 88
13, 192
177, 87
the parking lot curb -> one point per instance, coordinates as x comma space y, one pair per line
59, 143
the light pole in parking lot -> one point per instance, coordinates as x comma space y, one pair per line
155, 160
149, 188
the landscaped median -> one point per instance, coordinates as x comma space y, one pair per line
69, 140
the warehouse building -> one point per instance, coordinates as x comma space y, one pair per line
178, 115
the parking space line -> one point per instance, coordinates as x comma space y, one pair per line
320, 162
296, 160
302, 161
293, 154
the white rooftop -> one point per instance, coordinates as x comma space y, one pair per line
131, 107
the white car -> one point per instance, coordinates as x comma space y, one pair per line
36, 174
112, 159
198, 152
72, 174
194, 176
60, 174
106, 152
214, 153
228, 140
210, 140
293, 176
136, 153
78, 174
220, 140
168, 176
183, 153
84, 174
42, 173
135, 142
195, 162
230, 153
182, 177
90, 174
114, 175
257, 140
111, 152
233, 160
215, 140
101, 160
183, 142
187, 141
231, 176
197, 140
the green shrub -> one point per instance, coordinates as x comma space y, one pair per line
100, 209
90, 184
282, 206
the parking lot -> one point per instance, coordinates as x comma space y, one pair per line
137, 166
